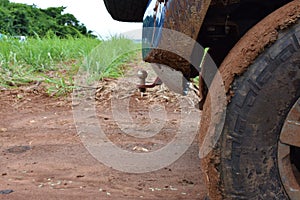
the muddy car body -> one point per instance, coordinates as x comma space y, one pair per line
255, 45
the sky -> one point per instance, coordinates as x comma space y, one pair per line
92, 13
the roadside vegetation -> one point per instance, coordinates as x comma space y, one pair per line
54, 47
29, 20
55, 61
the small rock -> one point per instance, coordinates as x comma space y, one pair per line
6, 191
139, 188
18, 149
20, 96
173, 189
3, 129
136, 148
75, 103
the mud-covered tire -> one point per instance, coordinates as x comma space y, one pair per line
126, 10
246, 156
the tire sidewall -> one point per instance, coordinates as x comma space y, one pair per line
262, 99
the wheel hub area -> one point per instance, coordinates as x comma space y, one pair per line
289, 153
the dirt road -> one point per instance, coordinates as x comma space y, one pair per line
42, 156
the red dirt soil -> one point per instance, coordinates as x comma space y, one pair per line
42, 157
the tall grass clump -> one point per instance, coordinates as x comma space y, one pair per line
44, 53
107, 60
56, 61
33, 59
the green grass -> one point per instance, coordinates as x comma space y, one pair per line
108, 58
56, 61
205, 53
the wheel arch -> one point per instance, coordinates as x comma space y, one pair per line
234, 65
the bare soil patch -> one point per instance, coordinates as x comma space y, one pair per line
42, 156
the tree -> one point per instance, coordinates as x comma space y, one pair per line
21, 19
4, 3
